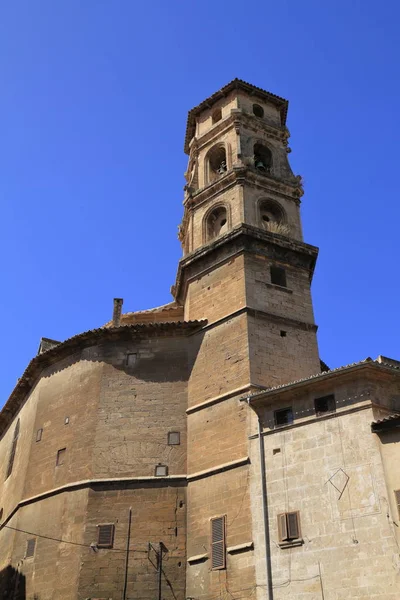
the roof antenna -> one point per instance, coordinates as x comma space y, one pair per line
116, 320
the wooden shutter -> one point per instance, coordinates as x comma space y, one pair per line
218, 549
397, 495
105, 536
293, 525
30, 548
13, 450
282, 527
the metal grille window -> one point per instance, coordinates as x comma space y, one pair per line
289, 526
105, 535
13, 450
397, 496
174, 438
324, 405
30, 548
218, 543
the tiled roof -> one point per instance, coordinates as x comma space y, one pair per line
73, 344
386, 424
234, 84
327, 374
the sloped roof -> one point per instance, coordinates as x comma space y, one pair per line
367, 362
235, 84
389, 422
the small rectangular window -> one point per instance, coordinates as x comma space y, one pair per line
61, 457
289, 526
397, 496
131, 359
39, 435
218, 543
30, 548
278, 276
66, 421
105, 535
161, 471
324, 405
174, 438
284, 416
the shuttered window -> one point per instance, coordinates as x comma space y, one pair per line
218, 544
289, 526
30, 548
105, 535
397, 495
13, 450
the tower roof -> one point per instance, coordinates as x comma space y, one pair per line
235, 84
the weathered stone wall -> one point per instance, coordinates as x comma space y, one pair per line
329, 469
111, 407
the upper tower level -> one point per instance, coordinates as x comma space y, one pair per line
238, 170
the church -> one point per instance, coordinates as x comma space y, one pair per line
202, 450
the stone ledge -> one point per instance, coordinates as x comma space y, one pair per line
219, 469
198, 558
291, 544
240, 548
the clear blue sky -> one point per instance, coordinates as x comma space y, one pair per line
93, 112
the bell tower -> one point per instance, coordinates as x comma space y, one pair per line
241, 232
246, 270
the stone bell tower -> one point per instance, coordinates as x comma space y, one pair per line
246, 269
244, 255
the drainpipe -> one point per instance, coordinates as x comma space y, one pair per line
268, 566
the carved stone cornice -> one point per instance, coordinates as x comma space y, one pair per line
243, 239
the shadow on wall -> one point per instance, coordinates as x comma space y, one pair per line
12, 584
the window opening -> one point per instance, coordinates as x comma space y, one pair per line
218, 545
217, 163
105, 535
284, 416
66, 421
278, 276
30, 548
217, 115
13, 450
174, 438
324, 405
131, 359
262, 158
61, 457
397, 496
289, 526
161, 471
217, 222
258, 110
272, 217
39, 434
283, 333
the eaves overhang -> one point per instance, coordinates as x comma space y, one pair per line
235, 84
78, 342
367, 366
387, 424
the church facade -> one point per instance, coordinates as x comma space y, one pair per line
201, 450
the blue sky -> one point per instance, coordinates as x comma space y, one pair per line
93, 112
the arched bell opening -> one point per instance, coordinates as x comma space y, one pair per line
216, 223
262, 158
217, 166
272, 217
